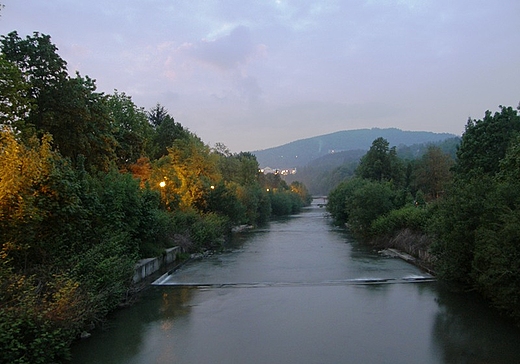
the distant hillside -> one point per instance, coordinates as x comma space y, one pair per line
323, 174
299, 153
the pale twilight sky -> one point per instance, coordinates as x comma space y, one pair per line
258, 74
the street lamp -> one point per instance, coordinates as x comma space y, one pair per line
162, 184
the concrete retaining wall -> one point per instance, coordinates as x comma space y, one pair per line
147, 267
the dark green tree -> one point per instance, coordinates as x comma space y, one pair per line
79, 121
14, 100
433, 173
455, 225
485, 142
381, 163
157, 115
167, 131
339, 200
132, 130
68, 108
36, 56
222, 199
248, 170
368, 202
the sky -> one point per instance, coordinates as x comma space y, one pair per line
257, 74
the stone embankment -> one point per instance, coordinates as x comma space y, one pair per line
146, 267
407, 258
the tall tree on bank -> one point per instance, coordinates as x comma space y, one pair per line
131, 128
14, 101
167, 131
485, 142
381, 163
476, 226
433, 173
68, 108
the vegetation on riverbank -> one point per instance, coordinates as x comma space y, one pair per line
462, 216
90, 183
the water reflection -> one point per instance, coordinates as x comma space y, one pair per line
126, 333
467, 330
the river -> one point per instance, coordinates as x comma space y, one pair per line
301, 291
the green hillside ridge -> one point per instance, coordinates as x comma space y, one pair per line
323, 174
300, 152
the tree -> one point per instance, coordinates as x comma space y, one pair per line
157, 115
167, 131
68, 108
132, 130
381, 163
248, 170
273, 182
339, 200
485, 142
301, 190
190, 170
433, 172
14, 102
368, 202
22, 180
510, 165
37, 58
240, 173
495, 265
223, 200
79, 121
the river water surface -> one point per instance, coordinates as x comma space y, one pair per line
301, 291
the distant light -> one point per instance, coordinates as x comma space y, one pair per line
212, 187
268, 190
162, 184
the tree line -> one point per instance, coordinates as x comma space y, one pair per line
459, 215
89, 184
324, 174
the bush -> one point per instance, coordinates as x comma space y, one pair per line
29, 338
209, 230
38, 320
409, 217
370, 201
339, 200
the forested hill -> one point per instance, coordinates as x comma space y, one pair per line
301, 152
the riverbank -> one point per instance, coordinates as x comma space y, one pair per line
392, 252
410, 246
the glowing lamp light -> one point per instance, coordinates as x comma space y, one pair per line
162, 184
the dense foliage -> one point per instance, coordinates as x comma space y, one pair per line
90, 183
476, 229
461, 215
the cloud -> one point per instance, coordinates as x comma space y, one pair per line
227, 52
